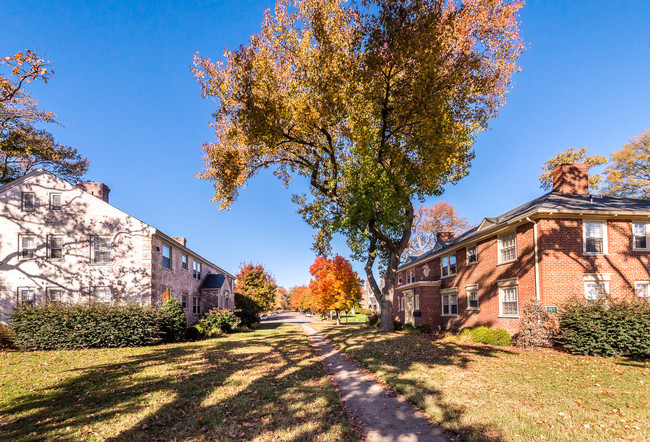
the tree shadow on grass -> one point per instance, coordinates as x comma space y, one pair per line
266, 385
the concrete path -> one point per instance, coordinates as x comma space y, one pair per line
383, 417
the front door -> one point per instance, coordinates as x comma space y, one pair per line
408, 309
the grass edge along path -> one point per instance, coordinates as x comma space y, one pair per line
501, 393
263, 385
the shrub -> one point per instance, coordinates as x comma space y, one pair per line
172, 321
397, 325
423, 328
6, 338
408, 328
248, 317
536, 327
373, 320
606, 327
194, 332
219, 318
56, 326
485, 335
367, 312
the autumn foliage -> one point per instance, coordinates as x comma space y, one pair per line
255, 288
335, 286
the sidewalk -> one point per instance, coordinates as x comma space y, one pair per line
382, 416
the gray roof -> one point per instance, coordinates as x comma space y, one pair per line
550, 202
212, 281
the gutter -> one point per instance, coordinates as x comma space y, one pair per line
537, 293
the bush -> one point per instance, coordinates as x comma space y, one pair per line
6, 338
373, 320
194, 332
172, 321
485, 335
397, 325
248, 317
408, 328
423, 328
606, 327
218, 318
367, 312
56, 326
536, 328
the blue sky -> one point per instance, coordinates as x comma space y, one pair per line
123, 91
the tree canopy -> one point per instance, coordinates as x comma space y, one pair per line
335, 286
628, 173
24, 147
375, 103
255, 288
570, 156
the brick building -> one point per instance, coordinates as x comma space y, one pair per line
566, 243
65, 243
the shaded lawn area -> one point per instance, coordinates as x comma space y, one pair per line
264, 385
502, 393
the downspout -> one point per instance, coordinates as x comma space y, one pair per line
537, 294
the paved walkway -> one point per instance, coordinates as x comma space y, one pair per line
382, 416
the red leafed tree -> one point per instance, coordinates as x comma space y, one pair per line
335, 285
300, 298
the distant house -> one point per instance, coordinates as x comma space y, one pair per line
368, 300
66, 243
566, 243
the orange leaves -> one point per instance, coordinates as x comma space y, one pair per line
335, 285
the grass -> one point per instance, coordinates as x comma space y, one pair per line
264, 385
502, 393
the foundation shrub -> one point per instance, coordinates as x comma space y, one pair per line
408, 328
172, 321
397, 325
194, 332
373, 320
536, 328
485, 335
606, 327
248, 317
219, 319
423, 328
56, 326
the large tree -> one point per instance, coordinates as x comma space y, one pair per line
628, 173
376, 103
335, 286
255, 288
24, 147
570, 156
428, 222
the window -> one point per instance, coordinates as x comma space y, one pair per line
184, 301
167, 294
410, 276
196, 269
449, 265
449, 302
28, 201
595, 290
416, 302
196, 305
401, 303
184, 262
472, 256
166, 257
226, 301
101, 251
102, 293
55, 201
399, 279
640, 236
472, 297
508, 247
54, 294
55, 247
642, 289
508, 297
595, 237
27, 246
26, 296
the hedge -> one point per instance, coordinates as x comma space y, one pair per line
219, 320
56, 326
606, 327
485, 335
172, 321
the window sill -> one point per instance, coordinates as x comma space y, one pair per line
99, 264
449, 315
473, 309
641, 250
509, 316
507, 262
449, 276
595, 253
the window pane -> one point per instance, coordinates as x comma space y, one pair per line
28, 201
594, 290
473, 299
453, 301
641, 289
510, 301
55, 201
594, 245
166, 257
452, 264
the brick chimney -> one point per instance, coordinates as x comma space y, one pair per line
181, 240
571, 178
100, 190
444, 236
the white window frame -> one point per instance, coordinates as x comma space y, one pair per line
401, 302
23, 198
196, 305
447, 267
185, 262
601, 279
106, 291
446, 297
22, 291
416, 302
196, 274
475, 254
501, 249
646, 228
25, 254
50, 248
410, 276
169, 258
184, 301
49, 294
399, 278
584, 236
97, 249
646, 288
469, 289
505, 286
53, 197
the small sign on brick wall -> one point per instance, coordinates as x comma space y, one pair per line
551, 309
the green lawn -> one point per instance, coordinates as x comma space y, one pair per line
501, 393
264, 385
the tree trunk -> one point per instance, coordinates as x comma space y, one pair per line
338, 317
